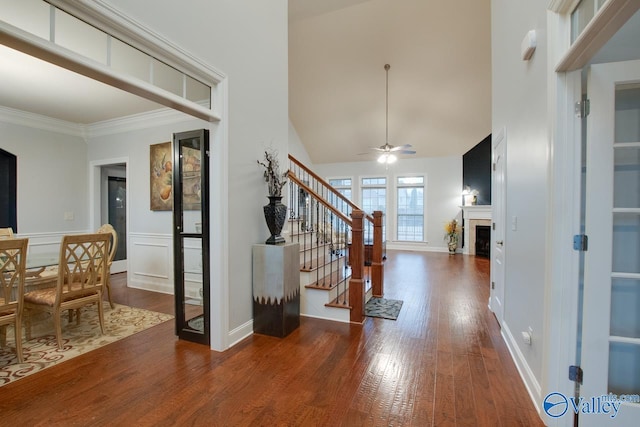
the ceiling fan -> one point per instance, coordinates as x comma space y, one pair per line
387, 151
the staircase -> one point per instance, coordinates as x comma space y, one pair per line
335, 278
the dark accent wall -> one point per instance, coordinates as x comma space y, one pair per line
476, 170
8, 191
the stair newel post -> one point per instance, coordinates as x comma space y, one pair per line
377, 267
356, 284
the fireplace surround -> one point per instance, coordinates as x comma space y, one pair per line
476, 215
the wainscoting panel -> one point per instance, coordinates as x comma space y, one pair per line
151, 262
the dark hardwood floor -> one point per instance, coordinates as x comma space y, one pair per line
442, 363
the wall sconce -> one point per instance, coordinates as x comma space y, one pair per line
470, 196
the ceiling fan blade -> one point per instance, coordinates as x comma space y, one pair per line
401, 147
406, 152
379, 149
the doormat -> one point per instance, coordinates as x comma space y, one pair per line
384, 308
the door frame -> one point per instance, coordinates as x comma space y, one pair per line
96, 196
565, 150
499, 137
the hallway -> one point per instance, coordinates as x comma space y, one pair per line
443, 362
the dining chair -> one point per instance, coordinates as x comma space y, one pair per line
108, 228
83, 261
13, 253
6, 233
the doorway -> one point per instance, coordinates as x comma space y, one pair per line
117, 213
109, 204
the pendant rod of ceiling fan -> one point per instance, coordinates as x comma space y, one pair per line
386, 67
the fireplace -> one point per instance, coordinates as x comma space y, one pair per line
483, 241
474, 216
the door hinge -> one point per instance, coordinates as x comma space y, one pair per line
493, 285
493, 226
581, 242
582, 108
575, 374
494, 167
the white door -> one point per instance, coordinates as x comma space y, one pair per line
497, 234
611, 311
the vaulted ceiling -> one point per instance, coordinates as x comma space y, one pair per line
439, 81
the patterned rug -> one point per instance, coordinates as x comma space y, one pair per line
42, 352
385, 308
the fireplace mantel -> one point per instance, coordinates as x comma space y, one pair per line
474, 215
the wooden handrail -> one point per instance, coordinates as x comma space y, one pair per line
319, 198
329, 186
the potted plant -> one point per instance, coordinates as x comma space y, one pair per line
275, 213
451, 235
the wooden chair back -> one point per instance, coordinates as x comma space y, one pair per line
6, 233
113, 246
13, 254
83, 261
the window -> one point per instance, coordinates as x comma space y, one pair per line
342, 185
410, 208
374, 198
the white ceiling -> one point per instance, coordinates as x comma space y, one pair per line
30, 84
439, 81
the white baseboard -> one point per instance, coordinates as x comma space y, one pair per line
241, 332
530, 382
418, 247
331, 319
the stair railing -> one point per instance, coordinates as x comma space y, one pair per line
318, 209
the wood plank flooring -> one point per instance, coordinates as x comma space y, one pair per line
442, 363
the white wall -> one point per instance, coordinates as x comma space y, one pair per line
247, 40
520, 104
296, 148
443, 187
150, 252
52, 179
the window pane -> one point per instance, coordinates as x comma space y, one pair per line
410, 180
374, 181
411, 213
167, 78
80, 37
29, 15
130, 60
580, 17
410, 228
342, 182
374, 199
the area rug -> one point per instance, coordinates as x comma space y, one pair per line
42, 352
385, 308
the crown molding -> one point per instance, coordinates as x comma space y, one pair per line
86, 132
136, 122
37, 121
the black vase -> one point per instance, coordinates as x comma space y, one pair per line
275, 213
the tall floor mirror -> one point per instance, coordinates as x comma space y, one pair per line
191, 235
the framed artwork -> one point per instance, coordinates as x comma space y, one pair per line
191, 178
160, 167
